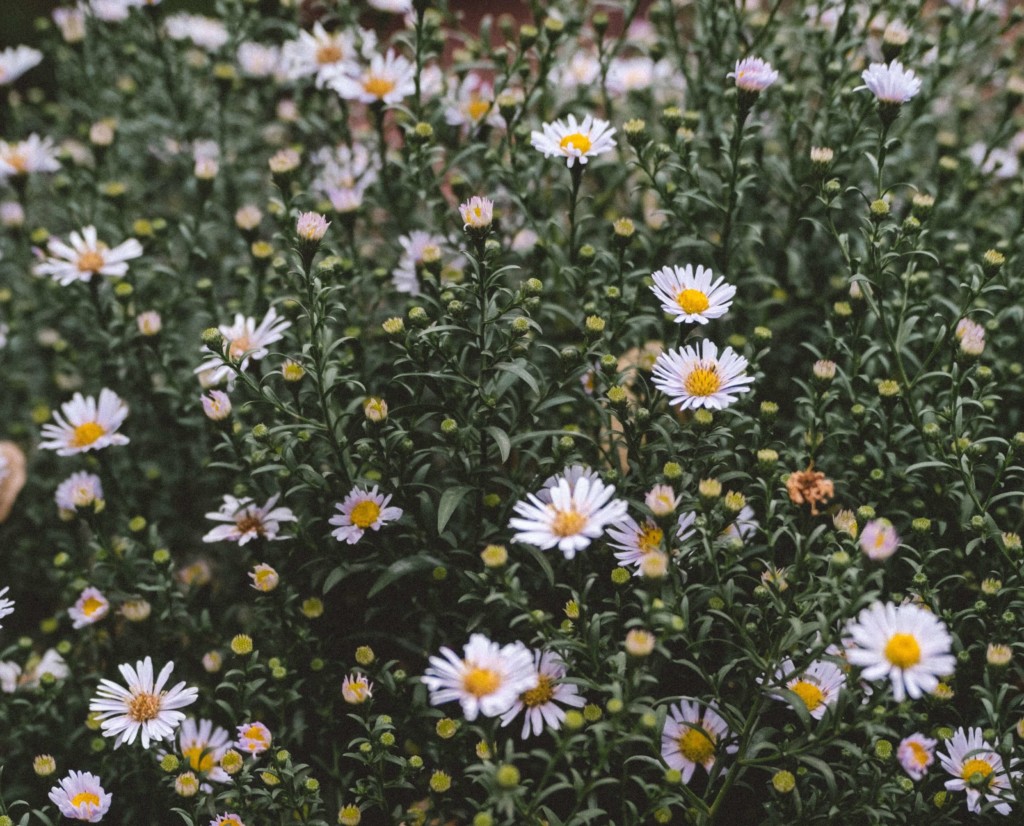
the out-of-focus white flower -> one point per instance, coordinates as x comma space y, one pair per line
17, 60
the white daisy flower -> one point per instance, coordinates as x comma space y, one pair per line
227, 819
259, 60
661, 500
324, 54
79, 796
753, 74
405, 276
206, 32
695, 376
85, 256
574, 517
691, 296
109, 11
572, 475
388, 80
392, 6
344, 168
246, 520
471, 103
635, 541
144, 708
582, 70
905, 643
71, 22
685, 525
541, 703
244, 340
79, 490
487, 679
356, 689
86, 424
253, 738
574, 141
90, 608
743, 527
27, 157
12, 678
361, 511
879, 539
916, 754
890, 83
6, 605
202, 745
691, 738
977, 770
17, 60
817, 686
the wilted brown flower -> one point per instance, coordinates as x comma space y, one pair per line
811, 487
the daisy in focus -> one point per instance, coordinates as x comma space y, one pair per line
27, 157
143, 709
361, 511
693, 738
246, 520
388, 79
916, 754
488, 679
635, 541
695, 376
690, 296
541, 704
227, 819
244, 341
86, 424
891, 83
817, 686
90, 607
571, 520
905, 643
253, 738
79, 796
753, 75
573, 140
356, 689
977, 770
85, 256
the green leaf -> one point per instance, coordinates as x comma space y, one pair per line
402, 568
449, 502
501, 438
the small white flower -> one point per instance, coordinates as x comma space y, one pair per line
691, 296
71, 22
977, 770
388, 80
259, 60
753, 74
90, 608
573, 140
149, 323
79, 796
244, 340
971, 336
254, 737
471, 103
891, 83
695, 376
487, 679
144, 708
17, 60
691, 738
6, 605
477, 212
86, 425
247, 520
405, 277
356, 689
916, 753
541, 703
311, 227
202, 745
206, 32
216, 405
817, 686
635, 541
661, 500
85, 256
362, 511
879, 539
324, 54
30, 156
905, 643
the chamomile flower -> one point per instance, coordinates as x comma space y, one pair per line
27, 157
246, 520
80, 796
573, 140
405, 276
244, 341
259, 60
541, 704
361, 511
17, 60
905, 643
356, 689
13, 678
85, 256
90, 607
817, 686
253, 737
977, 770
635, 541
202, 745
487, 679
143, 709
891, 83
86, 424
690, 296
227, 819
323, 54
387, 80
693, 738
916, 753
696, 376
572, 475
6, 605
471, 104
753, 74
79, 490
573, 518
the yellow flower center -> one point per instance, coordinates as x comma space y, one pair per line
378, 86
481, 681
903, 650
649, 538
807, 691
255, 733
696, 745
85, 799
91, 606
974, 768
90, 261
692, 301
87, 433
239, 346
365, 514
477, 108
328, 53
919, 754
250, 523
543, 693
19, 160
578, 141
143, 706
198, 758
702, 381
568, 523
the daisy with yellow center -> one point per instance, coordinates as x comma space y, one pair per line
86, 424
542, 705
144, 708
978, 771
27, 157
356, 689
916, 753
322, 54
361, 511
227, 819
905, 643
817, 686
635, 541
693, 738
245, 520
696, 376
243, 341
254, 737
84, 256
488, 679
202, 745
387, 80
575, 141
690, 296
573, 516
91, 607
80, 796
471, 103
